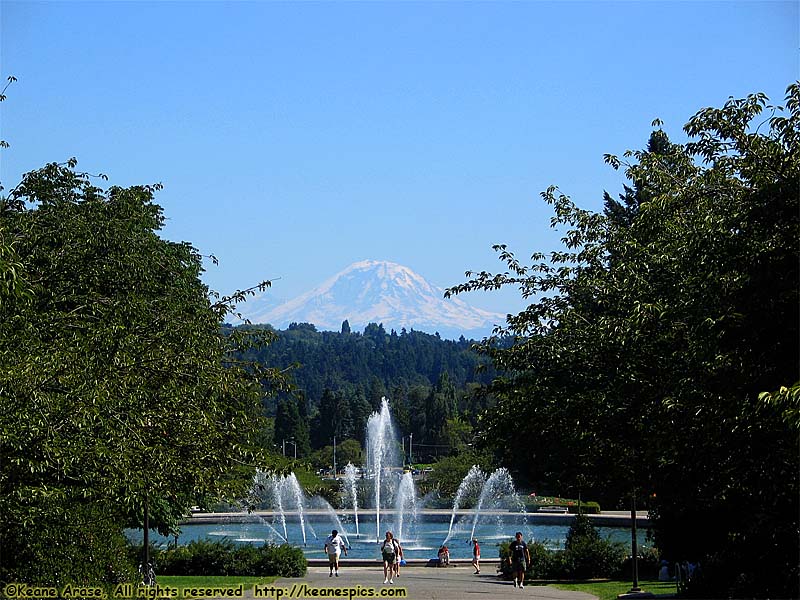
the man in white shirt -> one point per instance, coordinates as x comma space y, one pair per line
334, 546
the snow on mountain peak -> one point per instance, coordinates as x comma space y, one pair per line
376, 291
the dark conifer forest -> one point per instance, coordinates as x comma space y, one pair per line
433, 385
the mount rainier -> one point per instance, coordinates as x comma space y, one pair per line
374, 291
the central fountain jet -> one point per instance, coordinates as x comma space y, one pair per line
383, 458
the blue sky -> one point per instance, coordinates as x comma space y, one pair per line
296, 138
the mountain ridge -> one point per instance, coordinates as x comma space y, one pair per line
376, 291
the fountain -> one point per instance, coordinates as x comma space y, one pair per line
393, 497
405, 504
297, 493
473, 482
382, 457
495, 495
350, 473
334, 518
280, 492
394, 492
498, 489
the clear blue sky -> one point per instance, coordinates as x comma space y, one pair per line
296, 138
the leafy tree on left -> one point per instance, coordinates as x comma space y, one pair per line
117, 387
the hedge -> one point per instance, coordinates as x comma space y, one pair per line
585, 556
202, 557
534, 503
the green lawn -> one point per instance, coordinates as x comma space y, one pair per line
608, 590
182, 581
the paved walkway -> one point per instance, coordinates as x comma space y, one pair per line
426, 583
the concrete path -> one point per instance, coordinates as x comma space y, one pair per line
424, 583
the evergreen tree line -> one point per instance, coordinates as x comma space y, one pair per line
433, 386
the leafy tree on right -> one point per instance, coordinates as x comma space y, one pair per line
640, 365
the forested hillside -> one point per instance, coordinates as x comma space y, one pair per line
341, 376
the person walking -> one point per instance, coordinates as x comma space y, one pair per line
399, 560
389, 553
520, 559
476, 556
334, 546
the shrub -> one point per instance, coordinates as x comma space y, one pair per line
648, 566
505, 564
246, 559
581, 531
88, 548
283, 560
199, 557
586, 508
534, 503
202, 557
545, 564
589, 558
586, 556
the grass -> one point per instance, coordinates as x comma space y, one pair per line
183, 581
608, 590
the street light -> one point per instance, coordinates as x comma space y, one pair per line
334, 457
635, 589
292, 442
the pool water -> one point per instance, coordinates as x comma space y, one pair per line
420, 538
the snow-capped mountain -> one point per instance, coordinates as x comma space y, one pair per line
374, 291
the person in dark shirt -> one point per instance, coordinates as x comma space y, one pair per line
520, 559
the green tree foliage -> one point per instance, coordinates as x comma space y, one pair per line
332, 420
117, 383
347, 451
375, 361
343, 376
439, 407
640, 360
360, 410
456, 434
448, 472
291, 428
11, 268
12, 280
398, 404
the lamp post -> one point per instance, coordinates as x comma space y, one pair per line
146, 543
410, 453
334, 458
292, 442
635, 591
634, 546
